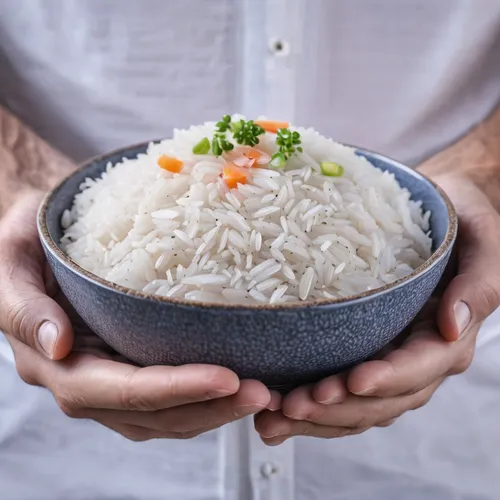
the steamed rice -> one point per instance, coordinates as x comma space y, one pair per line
289, 234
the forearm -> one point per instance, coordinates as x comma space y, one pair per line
476, 156
26, 161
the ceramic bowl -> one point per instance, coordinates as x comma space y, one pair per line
282, 345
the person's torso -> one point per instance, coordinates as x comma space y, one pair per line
402, 78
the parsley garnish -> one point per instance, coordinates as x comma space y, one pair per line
219, 142
247, 133
288, 143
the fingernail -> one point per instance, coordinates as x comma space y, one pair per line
275, 403
335, 398
461, 312
219, 393
244, 410
365, 392
276, 442
47, 337
271, 436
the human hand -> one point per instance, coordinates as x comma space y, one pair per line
85, 376
439, 343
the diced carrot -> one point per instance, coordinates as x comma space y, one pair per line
257, 157
253, 154
271, 125
232, 175
245, 156
170, 164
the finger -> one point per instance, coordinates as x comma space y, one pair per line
304, 428
387, 423
139, 434
101, 383
274, 441
425, 357
26, 311
134, 432
274, 428
302, 402
475, 292
363, 412
396, 343
29, 315
192, 419
28, 361
275, 402
199, 382
86, 381
270, 424
298, 399
331, 390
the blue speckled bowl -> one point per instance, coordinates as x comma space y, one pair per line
280, 345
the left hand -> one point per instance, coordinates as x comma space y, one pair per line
440, 343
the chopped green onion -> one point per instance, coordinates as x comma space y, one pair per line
278, 160
203, 147
216, 148
331, 169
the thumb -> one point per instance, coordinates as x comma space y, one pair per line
26, 311
475, 291
28, 314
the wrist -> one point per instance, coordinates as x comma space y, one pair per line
28, 165
475, 158
485, 179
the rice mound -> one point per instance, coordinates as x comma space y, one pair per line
287, 235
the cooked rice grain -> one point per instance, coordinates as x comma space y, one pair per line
287, 235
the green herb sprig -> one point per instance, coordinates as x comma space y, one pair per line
288, 143
247, 133
219, 141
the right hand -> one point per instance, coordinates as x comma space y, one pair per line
86, 378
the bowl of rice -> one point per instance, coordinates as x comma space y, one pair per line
255, 245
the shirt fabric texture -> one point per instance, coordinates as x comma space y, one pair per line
402, 78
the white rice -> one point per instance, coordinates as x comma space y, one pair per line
287, 235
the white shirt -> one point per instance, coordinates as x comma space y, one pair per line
403, 78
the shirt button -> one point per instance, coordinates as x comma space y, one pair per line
268, 469
279, 47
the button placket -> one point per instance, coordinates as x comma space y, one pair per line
254, 52
272, 468
284, 21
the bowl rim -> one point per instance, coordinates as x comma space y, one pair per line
65, 260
